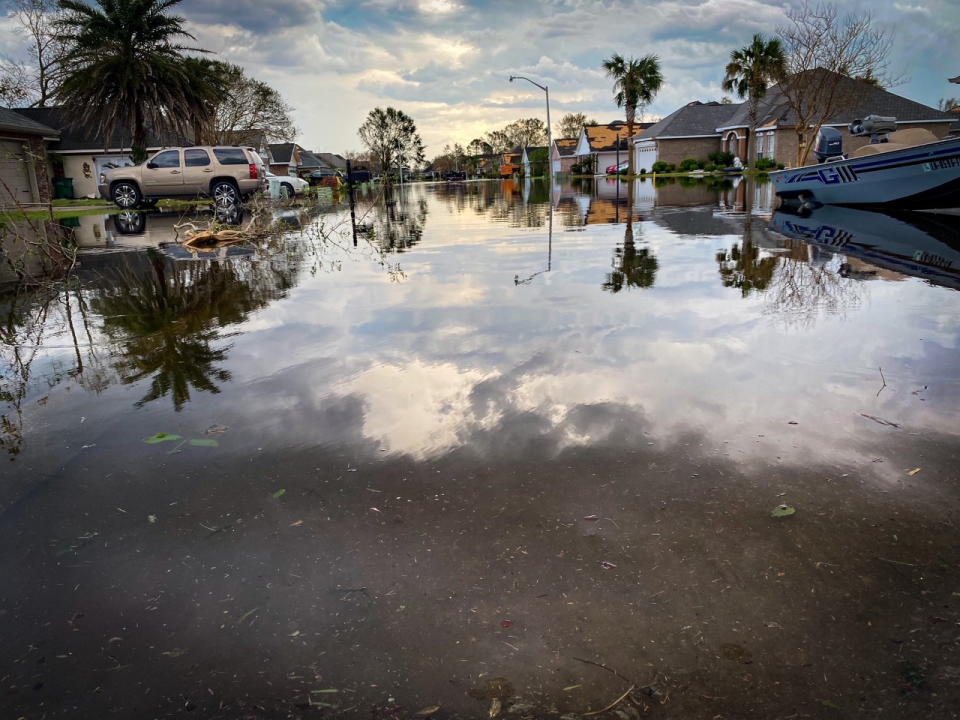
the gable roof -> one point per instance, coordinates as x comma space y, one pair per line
692, 120
603, 138
566, 147
282, 153
309, 160
332, 160
13, 120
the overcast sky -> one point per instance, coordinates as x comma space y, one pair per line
446, 62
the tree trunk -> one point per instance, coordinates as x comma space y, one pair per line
631, 116
139, 141
751, 131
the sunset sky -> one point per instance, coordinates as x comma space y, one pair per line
446, 62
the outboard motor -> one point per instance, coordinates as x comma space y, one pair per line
876, 126
829, 145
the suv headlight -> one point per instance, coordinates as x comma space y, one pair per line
103, 178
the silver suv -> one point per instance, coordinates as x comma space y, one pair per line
227, 174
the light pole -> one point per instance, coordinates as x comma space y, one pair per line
549, 131
400, 162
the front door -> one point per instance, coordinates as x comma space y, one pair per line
163, 174
197, 171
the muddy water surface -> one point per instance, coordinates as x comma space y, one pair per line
489, 449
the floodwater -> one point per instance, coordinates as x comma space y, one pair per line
488, 449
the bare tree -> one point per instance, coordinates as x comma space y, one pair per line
38, 21
947, 104
833, 62
571, 125
14, 83
251, 111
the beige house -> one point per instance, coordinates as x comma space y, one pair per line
82, 154
23, 153
698, 129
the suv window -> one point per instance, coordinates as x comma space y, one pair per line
167, 159
196, 158
231, 156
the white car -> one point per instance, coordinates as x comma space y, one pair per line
293, 185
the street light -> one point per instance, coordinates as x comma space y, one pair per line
549, 131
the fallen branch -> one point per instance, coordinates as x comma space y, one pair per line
612, 705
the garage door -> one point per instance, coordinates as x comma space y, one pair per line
13, 172
646, 157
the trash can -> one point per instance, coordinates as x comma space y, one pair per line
63, 188
273, 188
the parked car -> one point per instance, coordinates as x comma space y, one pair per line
617, 169
293, 185
227, 174
316, 176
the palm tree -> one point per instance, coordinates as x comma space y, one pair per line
636, 83
750, 71
126, 69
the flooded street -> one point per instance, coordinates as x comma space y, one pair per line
494, 447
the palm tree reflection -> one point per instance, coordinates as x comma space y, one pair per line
165, 318
632, 266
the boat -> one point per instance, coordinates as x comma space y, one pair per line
921, 245
907, 169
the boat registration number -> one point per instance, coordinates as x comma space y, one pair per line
945, 164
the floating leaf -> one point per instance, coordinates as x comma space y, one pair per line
913, 472
279, 493
295, 633
831, 704
506, 623
204, 442
783, 511
432, 710
176, 652
162, 437
571, 687
324, 692
298, 523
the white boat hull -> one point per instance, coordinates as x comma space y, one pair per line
924, 177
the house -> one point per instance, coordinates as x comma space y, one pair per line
333, 161
955, 126
605, 144
309, 162
691, 131
487, 165
283, 158
698, 129
23, 159
563, 154
82, 153
536, 168
510, 162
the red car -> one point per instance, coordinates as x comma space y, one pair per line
617, 169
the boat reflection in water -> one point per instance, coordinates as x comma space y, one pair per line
920, 245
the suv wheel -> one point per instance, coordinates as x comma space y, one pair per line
224, 193
126, 195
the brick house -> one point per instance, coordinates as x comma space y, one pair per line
23, 159
563, 154
698, 129
510, 162
284, 158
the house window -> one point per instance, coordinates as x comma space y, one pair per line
771, 139
760, 146
196, 158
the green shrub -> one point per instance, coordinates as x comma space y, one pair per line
642, 171
688, 164
780, 166
710, 167
721, 159
765, 163
661, 167
576, 168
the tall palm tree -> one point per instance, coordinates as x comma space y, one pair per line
750, 71
636, 83
126, 69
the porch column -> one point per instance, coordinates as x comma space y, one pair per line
742, 149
